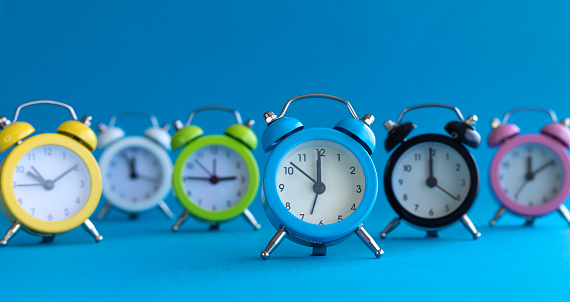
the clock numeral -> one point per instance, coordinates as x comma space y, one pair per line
214, 207
289, 170
190, 165
339, 217
544, 200
352, 170
229, 203
458, 196
82, 184
50, 218
321, 223
447, 208
78, 200
47, 151
358, 189
199, 201
506, 164
529, 149
407, 168
338, 156
63, 155
243, 179
31, 156
238, 165
405, 197
200, 154
20, 201
238, 193
457, 167
302, 157
554, 190
463, 182
302, 216
446, 156
189, 193
417, 206
281, 187
558, 176
228, 154
432, 153
66, 212
401, 181
417, 157
14, 184
321, 152
214, 150
33, 210
353, 207
431, 213
516, 154
288, 205
20, 169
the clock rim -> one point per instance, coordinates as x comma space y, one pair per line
9, 203
199, 212
165, 164
467, 201
507, 201
278, 214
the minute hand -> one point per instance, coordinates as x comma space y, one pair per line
65, 173
542, 167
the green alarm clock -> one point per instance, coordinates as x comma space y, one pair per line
215, 177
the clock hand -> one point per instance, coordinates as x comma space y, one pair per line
65, 173
529, 175
444, 191
431, 181
314, 203
130, 164
214, 166
318, 166
302, 172
227, 178
542, 167
202, 167
518, 191
28, 185
196, 178
36, 177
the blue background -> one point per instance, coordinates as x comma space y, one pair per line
170, 57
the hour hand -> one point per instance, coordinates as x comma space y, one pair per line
36, 177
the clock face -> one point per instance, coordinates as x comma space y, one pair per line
431, 180
215, 177
320, 182
531, 174
134, 174
51, 183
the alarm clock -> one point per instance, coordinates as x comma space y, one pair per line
431, 180
215, 177
50, 183
136, 170
530, 172
319, 184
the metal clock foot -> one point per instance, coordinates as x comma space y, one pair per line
393, 224
214, 226
432, 234
563, 210
470, 226
133, 216
13, 230
274, 243
249, 217
48, 239
90, 228
499, 213
104, 211
319, 250
369, 242
529, 221
180, 221
165, 209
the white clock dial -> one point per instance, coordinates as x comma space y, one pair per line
51, 183
320, 197
431, 194
215, 177
134, 174
531, 174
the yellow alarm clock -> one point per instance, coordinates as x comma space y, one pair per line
50, 183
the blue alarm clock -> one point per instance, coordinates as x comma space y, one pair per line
319, 184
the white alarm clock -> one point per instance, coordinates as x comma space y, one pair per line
136, 170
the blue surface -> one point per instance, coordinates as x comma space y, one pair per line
169, 58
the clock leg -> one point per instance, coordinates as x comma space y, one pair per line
13, 230
90, 228
274, 243
214, 226
499, 213
393, 224
133, 216
48, 239
563, 210
249, 217
369, 242
165, 209
529, 221
319, 250
180, 221
104, 211
469, 226
432, 234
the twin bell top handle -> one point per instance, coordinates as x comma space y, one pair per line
186, 133
462, 130
280, 127
13, 132
503, 131
111, 133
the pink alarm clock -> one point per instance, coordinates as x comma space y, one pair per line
530, 173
